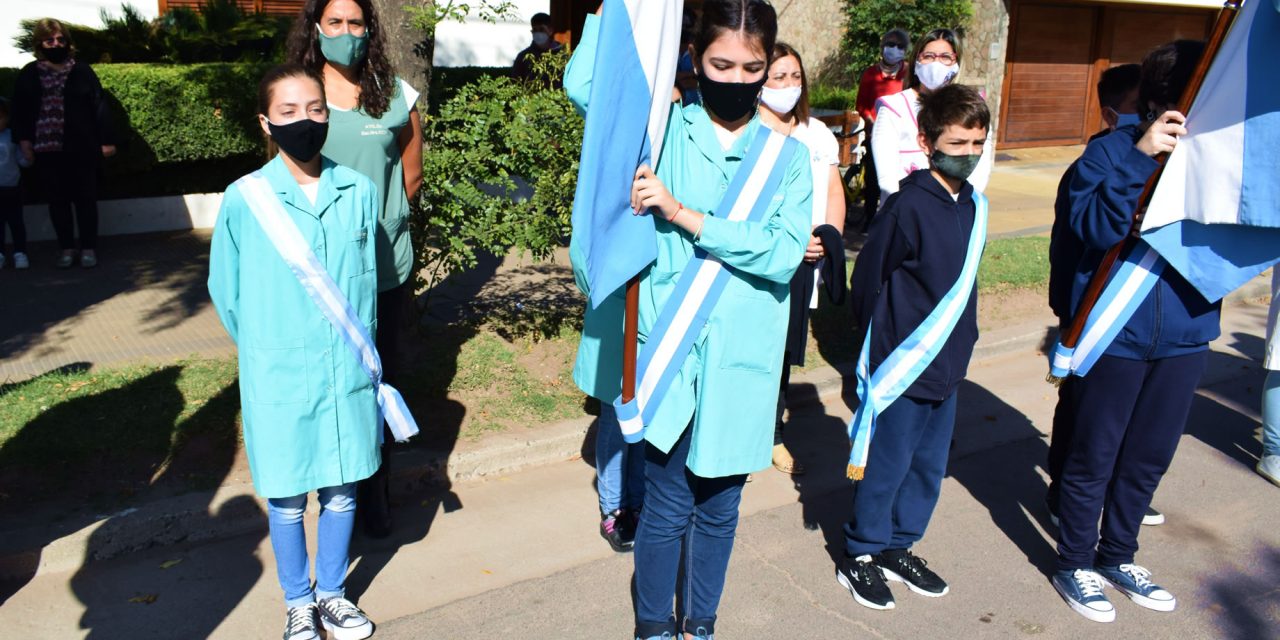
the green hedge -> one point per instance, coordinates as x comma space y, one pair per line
193, 128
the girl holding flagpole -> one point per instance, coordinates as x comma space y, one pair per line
292, 274
784, 107
731, 202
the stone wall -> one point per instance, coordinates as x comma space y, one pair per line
815, 28
985, 42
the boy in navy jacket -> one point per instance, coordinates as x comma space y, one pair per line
914, 255
1132, 406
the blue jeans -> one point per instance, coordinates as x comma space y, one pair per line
893, 503
289, 542
687, 520
619, 466
1271, 414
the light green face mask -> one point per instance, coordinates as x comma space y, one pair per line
343, 50
958, 167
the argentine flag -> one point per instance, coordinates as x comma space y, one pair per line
1215, 215
634, 74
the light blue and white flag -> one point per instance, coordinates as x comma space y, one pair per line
1215, 216
322, 290
702, 281
880, 388
633, 76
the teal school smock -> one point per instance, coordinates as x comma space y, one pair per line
309, 410
728, 385
369, 145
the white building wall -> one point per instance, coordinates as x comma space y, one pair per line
478, 43
85, 12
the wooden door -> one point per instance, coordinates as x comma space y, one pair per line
1048, 75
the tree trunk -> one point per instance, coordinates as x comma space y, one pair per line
409, 49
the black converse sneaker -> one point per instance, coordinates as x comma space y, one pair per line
900, 565
344, 620
300, 623
865, 581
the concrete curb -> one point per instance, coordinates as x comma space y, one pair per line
234, 510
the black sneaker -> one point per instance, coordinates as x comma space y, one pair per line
865, 581
344, 620
616, 529
900, 565
1152, 518
300, 623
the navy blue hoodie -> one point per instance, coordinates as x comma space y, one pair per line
914, 253
1103, 192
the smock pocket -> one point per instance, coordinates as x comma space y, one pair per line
276, 374
359, 258
751, 328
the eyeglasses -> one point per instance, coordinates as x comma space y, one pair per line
54, 41
944, 58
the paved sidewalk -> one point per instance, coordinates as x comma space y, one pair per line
519, 556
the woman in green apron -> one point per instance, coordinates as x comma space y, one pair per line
374, 128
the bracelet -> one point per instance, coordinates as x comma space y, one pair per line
697, 235
679, 208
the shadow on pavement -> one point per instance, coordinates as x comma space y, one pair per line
44, 298
1244, 603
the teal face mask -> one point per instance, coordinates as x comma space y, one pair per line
343, 50
958, 167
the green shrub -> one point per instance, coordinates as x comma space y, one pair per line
828, 97
493, 137
868, 20
447, 81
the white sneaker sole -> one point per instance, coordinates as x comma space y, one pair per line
347, 633
897, 578
1153, 520
1270, 478
1092, 614
1143, 601
844, 582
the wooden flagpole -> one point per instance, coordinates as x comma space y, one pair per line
630, 335
1100, 277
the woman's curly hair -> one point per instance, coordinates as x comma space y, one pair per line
376, 75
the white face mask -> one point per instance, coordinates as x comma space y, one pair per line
935, 74
780, 100
541, 39
893, 55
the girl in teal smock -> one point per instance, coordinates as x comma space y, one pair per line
715, 424
309, 409
375, 129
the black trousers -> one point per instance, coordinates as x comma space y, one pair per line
65, 180
373, 493
11, 218
870, 185
1129, 417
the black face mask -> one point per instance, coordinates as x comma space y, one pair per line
57, 55
730, 101
302, 140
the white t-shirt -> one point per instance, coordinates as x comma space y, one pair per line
312, 191
824, 153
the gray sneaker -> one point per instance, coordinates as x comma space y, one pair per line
300, 623
344, 620
1269, 468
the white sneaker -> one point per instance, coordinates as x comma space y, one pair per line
1269, 468
344, 620
20, 261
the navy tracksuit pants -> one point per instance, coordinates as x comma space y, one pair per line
1129, 416
894, 501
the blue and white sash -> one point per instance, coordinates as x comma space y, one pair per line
1128, 287
879, 389
701, 283
319, 285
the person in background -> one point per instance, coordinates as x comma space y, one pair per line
686, 79
1118, 101
1269, 464
10, 195
63, 128
879, 80
784, 107
935, 62
309, 407
543, 42
374, 128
